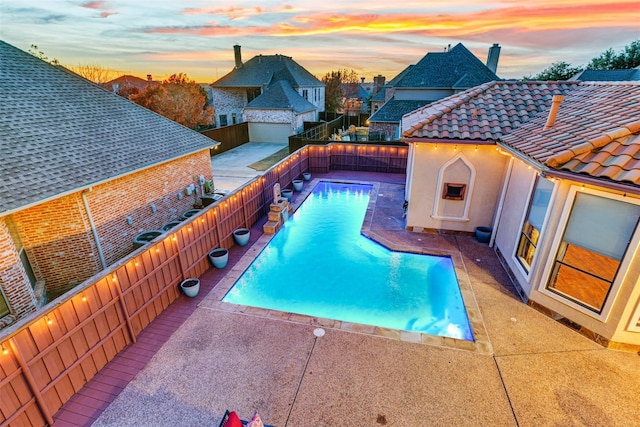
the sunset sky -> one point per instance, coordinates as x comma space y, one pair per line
196, 37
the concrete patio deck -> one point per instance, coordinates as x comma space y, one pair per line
533, 371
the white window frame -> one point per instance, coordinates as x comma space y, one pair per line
440, 188
527, 275
623, 269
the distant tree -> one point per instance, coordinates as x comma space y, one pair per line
339, 84
179, 99
609, 60
560, 70
95, 73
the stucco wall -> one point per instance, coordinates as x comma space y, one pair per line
489, 168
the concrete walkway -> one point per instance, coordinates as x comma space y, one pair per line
537, 372
230, 169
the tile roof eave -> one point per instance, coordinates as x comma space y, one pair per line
521, 156
622, 187
92, 184
410, 140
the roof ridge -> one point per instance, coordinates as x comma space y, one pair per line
593, 144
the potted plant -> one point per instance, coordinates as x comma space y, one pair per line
306, 176
208, 187
219, 257
190, 287
145, 237
241, 236
297, 184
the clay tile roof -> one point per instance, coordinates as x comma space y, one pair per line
489, 111
596, 133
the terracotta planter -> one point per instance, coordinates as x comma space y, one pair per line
297, 184
241, 236
219, 257
190, 287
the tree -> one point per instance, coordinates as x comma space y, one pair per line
179, 99
35, 51
95, 73
339, 84
609, 60
560, 70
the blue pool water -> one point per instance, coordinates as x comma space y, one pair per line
319, 265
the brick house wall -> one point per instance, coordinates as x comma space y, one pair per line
389, 129
296, 121
132, 196
14, 282
57, 235
227, 102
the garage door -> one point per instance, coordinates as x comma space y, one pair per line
269, 132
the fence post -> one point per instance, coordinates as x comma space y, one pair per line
127, 317
31, 382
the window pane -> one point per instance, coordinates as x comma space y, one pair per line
602, 225
540, 202
4, 307
533, 224
580, 286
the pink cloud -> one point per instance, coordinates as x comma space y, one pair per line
232, 13
94, 4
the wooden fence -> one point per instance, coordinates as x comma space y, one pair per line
229, 137
49, 356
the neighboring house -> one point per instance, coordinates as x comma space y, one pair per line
436, 76
127, 84
240, 96
558, 181
83, 172
632, 74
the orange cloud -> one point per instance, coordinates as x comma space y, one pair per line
232, 13
94, 5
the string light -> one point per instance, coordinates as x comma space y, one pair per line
48, 319
84, 297
5, 350
476, 147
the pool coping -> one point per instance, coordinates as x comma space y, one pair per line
481, 343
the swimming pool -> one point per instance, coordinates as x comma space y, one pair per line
319, 264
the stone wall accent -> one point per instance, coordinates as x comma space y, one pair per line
228, 101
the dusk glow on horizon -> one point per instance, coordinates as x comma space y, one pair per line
372, 37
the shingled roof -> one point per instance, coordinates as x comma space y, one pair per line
632, 74
61, 133
484, 113
281, 95
596, 133
267, 69
455, 68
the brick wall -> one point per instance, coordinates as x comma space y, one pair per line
389, 129
58, 242
132, 196
13, 279
228, 101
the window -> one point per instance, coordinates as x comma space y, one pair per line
4, 306
593, 245
223, 120
253, 93
234, 118
305, 94
532, 226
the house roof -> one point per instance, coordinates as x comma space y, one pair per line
129, 81
61, 133
281, 95
393, 110
455, 68
608, 75
596, 133
267, 69
486, 112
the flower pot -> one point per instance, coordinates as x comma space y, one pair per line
145, 237
306, 176
483, 234
241, 236
190, 287
297, 184
219, 257
209, 199
287, 193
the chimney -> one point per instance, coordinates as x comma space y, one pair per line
378, 82
553, 112
362, 80
492, 57
149, 79
238, 56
